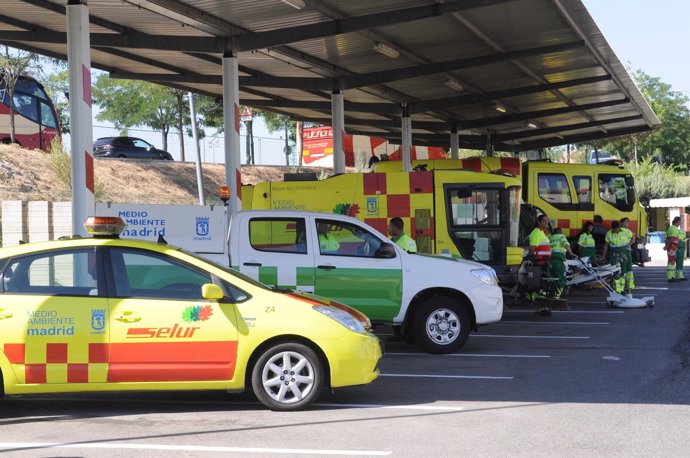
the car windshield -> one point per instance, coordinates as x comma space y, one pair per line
230, 271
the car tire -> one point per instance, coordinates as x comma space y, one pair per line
278, 386
441, 325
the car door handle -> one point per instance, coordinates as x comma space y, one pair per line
128, 317
4, 314
326, 267
252, 264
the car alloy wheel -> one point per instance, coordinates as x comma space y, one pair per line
288, 376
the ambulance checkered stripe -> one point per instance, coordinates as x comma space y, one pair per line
125, 362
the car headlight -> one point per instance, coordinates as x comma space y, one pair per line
341, 316
488, 276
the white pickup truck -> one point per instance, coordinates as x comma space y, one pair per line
434, 301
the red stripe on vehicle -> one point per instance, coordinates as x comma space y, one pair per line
380, 224
98, 352
56, 353
15, 353
77, 373
371, 183
172, 361
398, 205
511, 165
35, 373
474, 164
421, 182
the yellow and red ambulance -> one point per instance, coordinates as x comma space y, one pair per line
110, 314
465, 213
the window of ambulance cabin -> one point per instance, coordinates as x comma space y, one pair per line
155, 276
614, 189
583, 188
278, 235
338, 238
59, 273
553, 188
475, 207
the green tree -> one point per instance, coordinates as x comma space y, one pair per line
670, 141
275, 123
655, 180
13, 64
130, 103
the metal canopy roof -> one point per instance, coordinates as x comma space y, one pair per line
451, 63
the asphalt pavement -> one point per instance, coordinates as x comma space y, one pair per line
587, 381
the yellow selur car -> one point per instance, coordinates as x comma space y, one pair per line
109, 314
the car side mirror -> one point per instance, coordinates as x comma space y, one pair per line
385, 251
644, 201
212, 292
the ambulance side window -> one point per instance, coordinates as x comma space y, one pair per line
553, 188
151, 275
614, 189
61, 273
583, 188
278, 235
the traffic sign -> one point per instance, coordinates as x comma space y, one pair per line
246, 114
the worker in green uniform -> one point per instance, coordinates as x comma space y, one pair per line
675, 248
396, 229
327, 243
629, 277
559, 247
585, 242
540, 250
616, 247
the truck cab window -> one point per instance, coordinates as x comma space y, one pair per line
583, 188
278, 235
344, 239
553, 188
613, 189
475, 207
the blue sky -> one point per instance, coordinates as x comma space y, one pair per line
648, 35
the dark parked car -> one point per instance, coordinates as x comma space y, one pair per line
131, 147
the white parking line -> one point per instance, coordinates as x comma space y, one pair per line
528, 337
188, 448
386, 406
487, 355
584, 323
652, 287
611, 312
479, 377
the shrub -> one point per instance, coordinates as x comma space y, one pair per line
61, 165
655, 180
